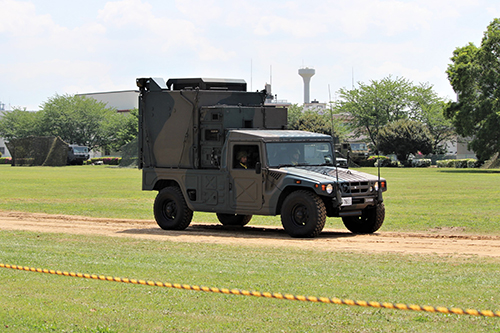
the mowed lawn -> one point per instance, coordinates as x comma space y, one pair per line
417, 200
425, 199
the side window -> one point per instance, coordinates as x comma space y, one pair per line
245, 156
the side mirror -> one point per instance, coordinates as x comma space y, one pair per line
258, 168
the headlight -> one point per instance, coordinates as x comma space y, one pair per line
329, 188
376, 186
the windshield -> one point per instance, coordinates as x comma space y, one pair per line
80, 149
299, 153
358, 146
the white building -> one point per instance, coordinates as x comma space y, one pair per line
457, 147
123, 101
315, 105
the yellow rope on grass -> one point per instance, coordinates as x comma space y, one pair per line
328, 300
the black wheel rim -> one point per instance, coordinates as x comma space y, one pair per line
169, 210
300, 215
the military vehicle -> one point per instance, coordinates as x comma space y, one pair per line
77, 154
209, 145
356, 153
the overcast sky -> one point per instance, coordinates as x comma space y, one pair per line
68, 47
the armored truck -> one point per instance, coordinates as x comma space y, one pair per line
209, 145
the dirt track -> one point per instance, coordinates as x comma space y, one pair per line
443, 242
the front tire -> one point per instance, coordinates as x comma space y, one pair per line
370, 221
234, 219
303, 214
171, 211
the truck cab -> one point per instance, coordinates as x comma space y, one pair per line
77, 154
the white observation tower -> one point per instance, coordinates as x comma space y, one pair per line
306, 74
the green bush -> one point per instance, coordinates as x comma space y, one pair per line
472, 163
5, 160
459, 164
421, 163
383, 162
379, 160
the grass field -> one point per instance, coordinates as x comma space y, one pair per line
417, 200
34, 302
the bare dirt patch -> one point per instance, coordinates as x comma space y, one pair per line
442, 242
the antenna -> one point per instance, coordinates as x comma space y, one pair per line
352, 77
251, 73
379, 194
271, 74
331, 109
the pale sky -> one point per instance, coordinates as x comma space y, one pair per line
69, 47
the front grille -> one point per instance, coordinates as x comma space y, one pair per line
355, 187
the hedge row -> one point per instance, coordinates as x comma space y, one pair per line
5, 160
96, 160
104, 160
421, 163
460, 164
385, 161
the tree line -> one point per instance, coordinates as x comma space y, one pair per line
76, 120
393, 115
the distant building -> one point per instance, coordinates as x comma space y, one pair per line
3, 149
457, 147
273, 99
315, 105
124, 101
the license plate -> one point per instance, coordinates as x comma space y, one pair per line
347, 201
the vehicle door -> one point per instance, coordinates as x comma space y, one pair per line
245, 181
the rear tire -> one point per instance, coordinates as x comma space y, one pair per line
370, 221
234, 219
303, 214
170, 209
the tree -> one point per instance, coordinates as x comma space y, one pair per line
475, 76
315, 120
369, 108
123, 129
80, 120
429, 109
404, 137
18, 123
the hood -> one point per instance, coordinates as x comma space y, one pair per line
328, 173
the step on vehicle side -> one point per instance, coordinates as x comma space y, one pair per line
209, 145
